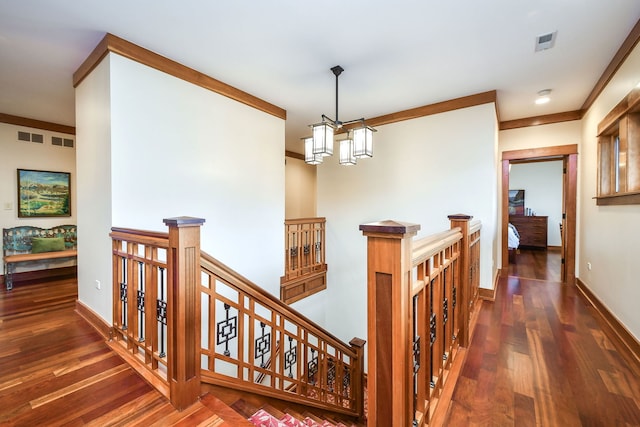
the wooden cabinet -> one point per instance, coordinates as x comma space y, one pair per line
532, 230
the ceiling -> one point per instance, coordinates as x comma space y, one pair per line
396, 54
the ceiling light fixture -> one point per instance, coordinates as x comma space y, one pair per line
543, 96
358, 144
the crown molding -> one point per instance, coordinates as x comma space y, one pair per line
439, 107
542, 120
114, 44
38, 124
616, 62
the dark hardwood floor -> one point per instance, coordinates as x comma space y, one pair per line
56, 370
539, 357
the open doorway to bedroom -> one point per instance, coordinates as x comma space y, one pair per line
535, 219
548, 241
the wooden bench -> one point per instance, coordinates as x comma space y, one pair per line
17, 246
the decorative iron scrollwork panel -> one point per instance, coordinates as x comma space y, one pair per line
262, 345
227, 330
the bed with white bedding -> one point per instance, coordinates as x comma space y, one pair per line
513, 241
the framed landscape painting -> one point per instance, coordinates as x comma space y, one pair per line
516, 202
43, 193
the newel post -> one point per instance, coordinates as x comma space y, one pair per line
183, 310
357, 386
462, 221
389, 386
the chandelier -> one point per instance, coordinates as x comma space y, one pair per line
357, 144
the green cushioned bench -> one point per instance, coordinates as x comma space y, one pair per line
27, 243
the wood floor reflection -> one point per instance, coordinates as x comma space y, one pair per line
539, 357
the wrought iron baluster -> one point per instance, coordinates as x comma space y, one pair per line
123, 294
432, 333
290, 357
161, 313
454, 302
331, 374
445, 310
262, 345
416, 356
140, 301
312, 367
227, 330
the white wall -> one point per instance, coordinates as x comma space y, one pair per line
542, 182
94, 169
179, 150
565, 133
30, 155
300, 190
609, 235
422, 171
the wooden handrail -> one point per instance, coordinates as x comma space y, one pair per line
420, 294
264, 346
210, 263
428, 246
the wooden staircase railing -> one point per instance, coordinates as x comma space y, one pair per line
246, 326
421, 294
181, 318
305, 270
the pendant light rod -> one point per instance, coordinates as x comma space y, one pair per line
337, 70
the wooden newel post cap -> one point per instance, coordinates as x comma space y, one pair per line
183, 221
389, 227
460, 217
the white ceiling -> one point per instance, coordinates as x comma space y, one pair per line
396, 54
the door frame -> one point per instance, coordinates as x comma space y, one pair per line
569, 155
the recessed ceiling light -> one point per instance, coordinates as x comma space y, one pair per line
543, 96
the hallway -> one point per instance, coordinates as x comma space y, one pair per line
540, 357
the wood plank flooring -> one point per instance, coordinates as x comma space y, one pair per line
539, 357
56, 370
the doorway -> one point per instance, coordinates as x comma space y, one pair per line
568, 155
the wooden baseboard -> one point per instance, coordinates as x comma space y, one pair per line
94, 320
490, 294
44, 275
617, 331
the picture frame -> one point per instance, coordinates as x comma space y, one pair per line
43, 193
516, 202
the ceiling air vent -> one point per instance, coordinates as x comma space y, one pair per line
546, 41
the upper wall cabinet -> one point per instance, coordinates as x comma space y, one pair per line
619, 153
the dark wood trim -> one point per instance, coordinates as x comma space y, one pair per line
439, 107
618, 59
38, 124
114, 44
539, 153
70, 272
542, 120
617, 330
570, 154
490, 294
94, 320
619, 199
294, 155
628, 104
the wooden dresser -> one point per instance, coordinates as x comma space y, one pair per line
532, 230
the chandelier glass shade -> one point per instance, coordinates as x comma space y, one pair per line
309, 157
320, 144
347, 156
